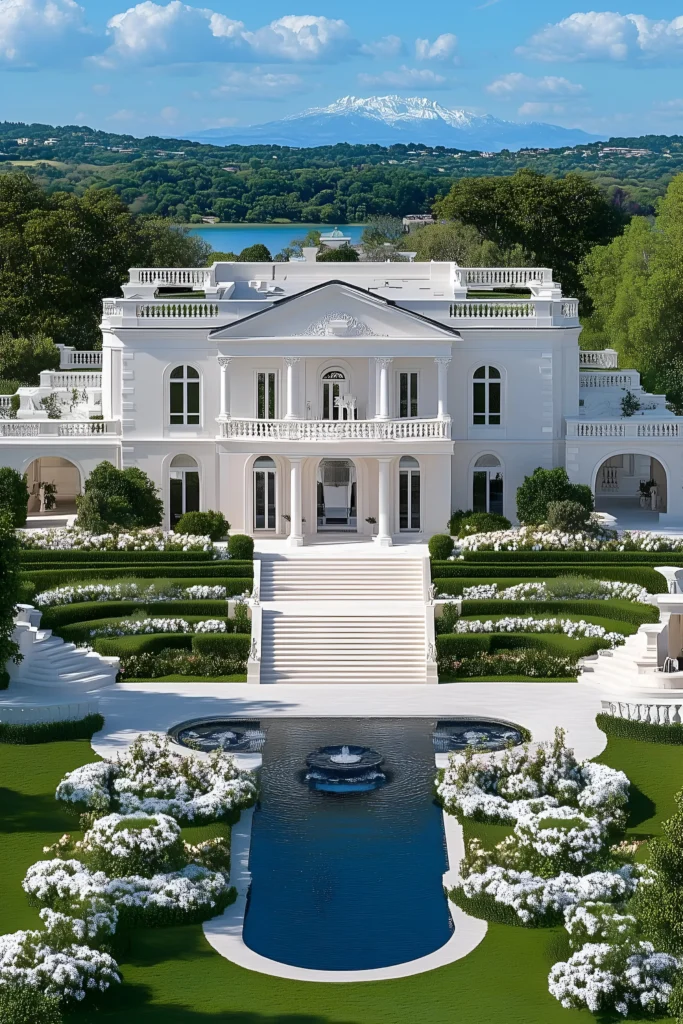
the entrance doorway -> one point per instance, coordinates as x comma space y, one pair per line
265, 511
337, 495
632, 488
334, 386
487, 485
63, 482
409, 494
183, 487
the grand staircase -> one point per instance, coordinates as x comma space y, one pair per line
356, 620
48, 661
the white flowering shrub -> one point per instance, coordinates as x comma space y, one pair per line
153, 539
603, 591
126, 844
600, 976
153, 779
514, 624
191, 894
524, 783
211, 626
597, 922
540, 538
128, 592
28, 958
133, 627
510, 895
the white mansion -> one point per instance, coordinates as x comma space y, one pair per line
373, 398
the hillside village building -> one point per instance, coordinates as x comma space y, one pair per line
303, 399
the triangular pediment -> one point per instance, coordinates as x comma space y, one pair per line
334, 309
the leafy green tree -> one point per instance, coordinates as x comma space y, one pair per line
454, 241
14, 495
659, 905
380, 230
9, 588
257, 253
544, 487
344, 254
555, 220
169, 245
138, 502
221, 257
23, 358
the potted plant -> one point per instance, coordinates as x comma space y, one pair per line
644, 489
48, 496
373, 523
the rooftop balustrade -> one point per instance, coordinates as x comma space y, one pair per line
625, 379
59, 428
336, 430
603, 359
71, 358
534, 312
503, 277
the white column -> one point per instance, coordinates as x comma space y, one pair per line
384, 365
442, 363
224, 362
384, 518
290, 362
375, 363
296, 537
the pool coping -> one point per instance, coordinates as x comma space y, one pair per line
225, 932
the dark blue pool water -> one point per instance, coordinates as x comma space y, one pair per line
347, 881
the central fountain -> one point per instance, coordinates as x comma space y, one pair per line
345, 769
243, 737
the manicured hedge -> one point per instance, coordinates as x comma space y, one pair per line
635, 557
649, 732
624, 611
27, 591
41, 555
79, 632
468, 645
85, 611
50, 732
484, 906
224, 645
146, 643
237, 578
653, 581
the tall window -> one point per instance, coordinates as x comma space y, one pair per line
334, 385
183, 487
409, 493
407, 394
184, 396
264, 493
266, 382
487, 485
486, 396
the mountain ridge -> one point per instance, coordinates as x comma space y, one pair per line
386, 120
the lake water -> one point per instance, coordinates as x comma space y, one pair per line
347, 880
235, 237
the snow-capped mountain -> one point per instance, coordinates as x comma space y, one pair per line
385, 120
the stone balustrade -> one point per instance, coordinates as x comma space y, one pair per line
171, 277
336, 430
535, 312
73, 357
635, 428
655, 714
626, 379
55, 379
603, 359
504, 277
59, 428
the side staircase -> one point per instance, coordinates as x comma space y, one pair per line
49, 661
356, 620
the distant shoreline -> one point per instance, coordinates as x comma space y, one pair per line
268, 224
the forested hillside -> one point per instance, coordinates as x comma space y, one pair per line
329, 184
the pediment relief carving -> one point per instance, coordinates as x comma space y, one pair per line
340, 324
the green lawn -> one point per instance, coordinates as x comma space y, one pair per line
172, 976
238, 677
446, 677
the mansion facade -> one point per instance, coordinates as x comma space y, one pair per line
308, 398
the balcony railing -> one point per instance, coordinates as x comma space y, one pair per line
335, 430
604, 359
56, 379
73, 357
535, 312
59, 428
627, 379
171, 277
634, 428
504, 277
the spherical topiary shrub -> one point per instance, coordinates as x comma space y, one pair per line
203, 524
568, 516
440, 546
241, 546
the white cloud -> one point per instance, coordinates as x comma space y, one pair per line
516, 84
404, 78
42, 33
152, 34
536, 109
607, 35
387, 46
258, 83
169, 114
101, 88
443, 47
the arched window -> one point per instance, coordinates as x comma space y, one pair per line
486, 396
408, 494
487, 485
264, 493
183, 486
334, 385
184, 396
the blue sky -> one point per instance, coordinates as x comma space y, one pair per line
167, 67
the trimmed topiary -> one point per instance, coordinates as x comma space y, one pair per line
23, 1004
568, 516
483, 522
440, 546
545, 486
241, 546
203, 524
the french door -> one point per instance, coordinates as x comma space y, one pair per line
409, 494
334, 386
264, 494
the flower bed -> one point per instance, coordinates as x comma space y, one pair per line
152, 779
569, 627
532, 538
181, 663
528, 663
71, 971
134, 627
154, 539
128, 592
604, 591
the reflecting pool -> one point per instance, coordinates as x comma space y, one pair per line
347, 878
